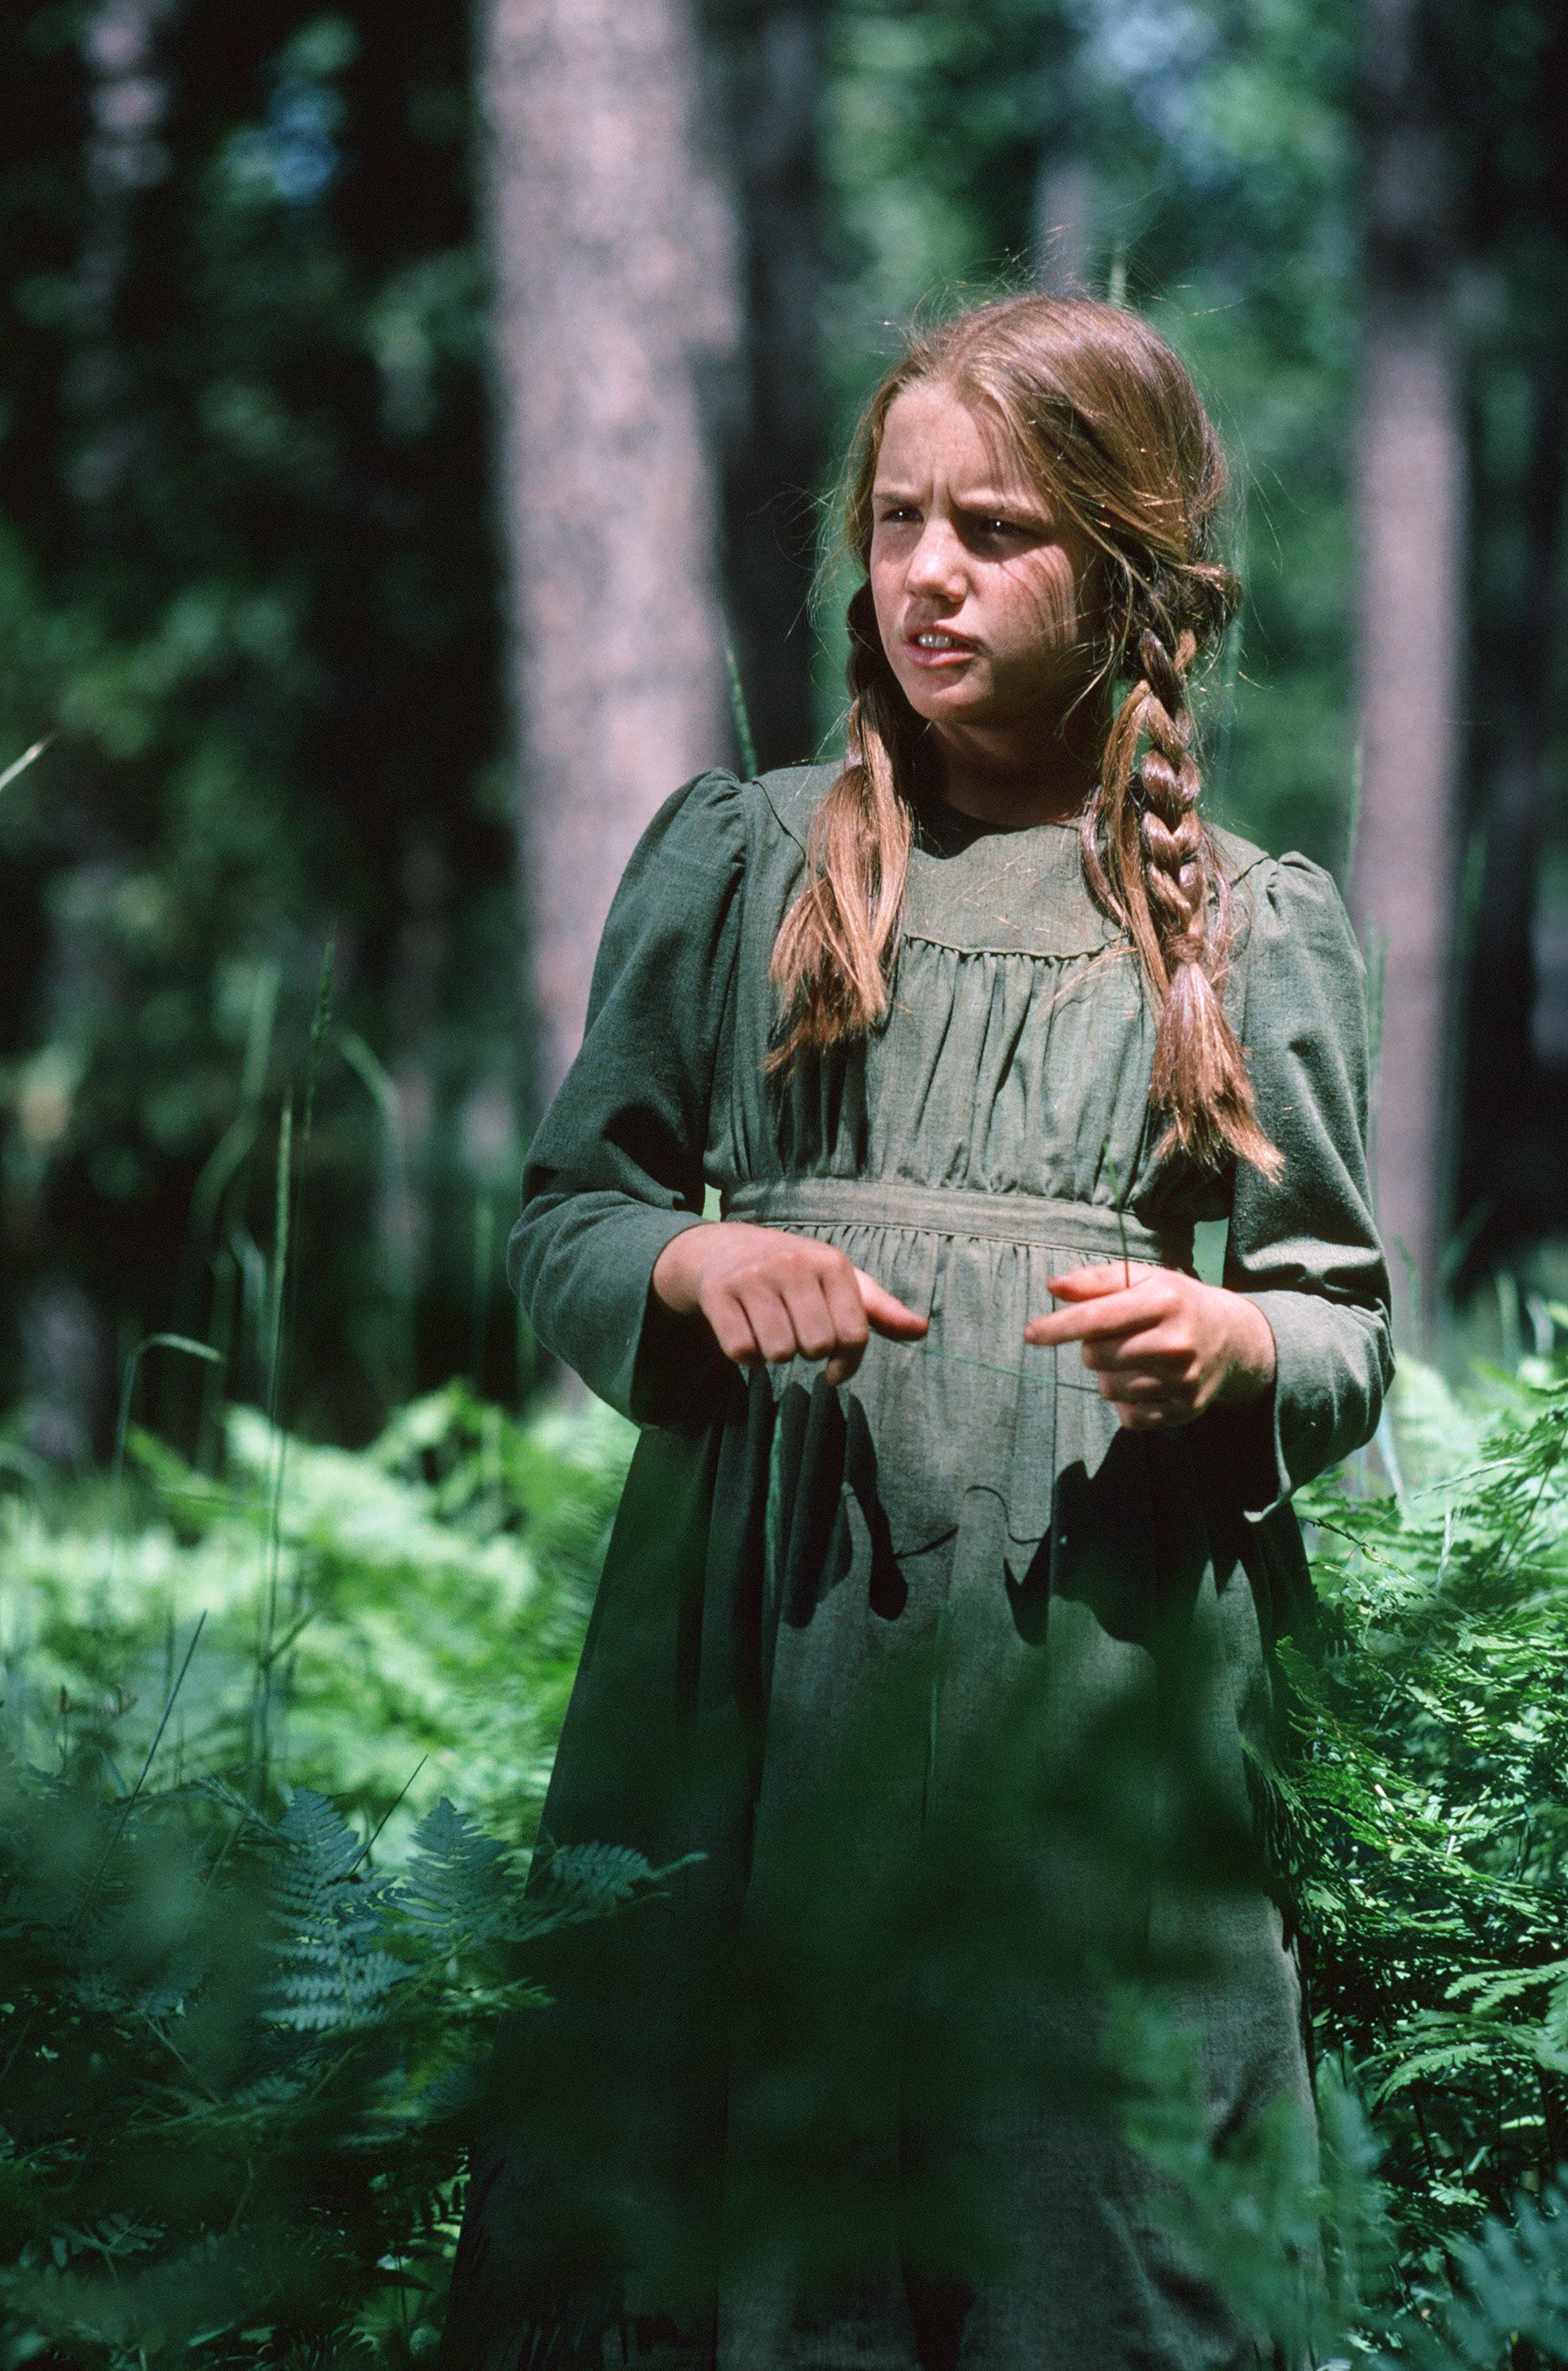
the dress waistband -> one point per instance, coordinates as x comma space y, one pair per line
957, 1211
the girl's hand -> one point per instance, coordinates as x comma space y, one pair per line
1163, 1346
771, 1295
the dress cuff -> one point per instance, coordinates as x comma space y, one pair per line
1288, 1433
675, 1365
583, 1264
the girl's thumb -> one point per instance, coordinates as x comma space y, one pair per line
888, 1316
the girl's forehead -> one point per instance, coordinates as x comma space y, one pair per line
930, 429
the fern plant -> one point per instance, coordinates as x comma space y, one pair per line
1431, 1816
238, 2063
431, 1594
1424, 1818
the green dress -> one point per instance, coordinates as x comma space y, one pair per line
954, 1701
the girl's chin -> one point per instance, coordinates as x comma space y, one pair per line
931, 695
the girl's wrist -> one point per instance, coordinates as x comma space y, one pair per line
676, 1277
1253, 1359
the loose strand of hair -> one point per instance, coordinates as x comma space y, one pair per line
833, 958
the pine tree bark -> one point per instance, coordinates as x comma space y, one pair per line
1411, 502
614, 305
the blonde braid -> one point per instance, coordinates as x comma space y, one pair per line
1175, 845
1151, 862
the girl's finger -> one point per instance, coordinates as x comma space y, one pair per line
889, 1316
1113, 1312
769, 1318
1106, 1276
732, 1331
811, 1317
850, 1327
1131, 1352
1140, 1391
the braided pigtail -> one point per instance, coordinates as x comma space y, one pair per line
833, 956
1150, 861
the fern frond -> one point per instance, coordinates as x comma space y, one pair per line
331, 1971
581, 1881
460, 1888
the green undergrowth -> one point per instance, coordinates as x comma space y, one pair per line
250, 1956
235, 2067
1425, 1822
385, 1626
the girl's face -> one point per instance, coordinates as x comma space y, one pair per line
978, 587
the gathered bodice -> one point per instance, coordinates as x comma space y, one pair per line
1014, 1060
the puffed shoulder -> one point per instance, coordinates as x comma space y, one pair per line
1290, 913
702, 825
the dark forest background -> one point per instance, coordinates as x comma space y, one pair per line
293, 309
416, 431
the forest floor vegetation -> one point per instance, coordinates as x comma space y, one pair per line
251, 1956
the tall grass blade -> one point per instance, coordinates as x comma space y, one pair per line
262, 1697
19, 765
284, 1296
130, 1802
127, 1393
741, 712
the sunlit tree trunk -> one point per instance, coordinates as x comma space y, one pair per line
611, 251
1410, 496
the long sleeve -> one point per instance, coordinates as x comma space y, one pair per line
1305, 1247
615, 1169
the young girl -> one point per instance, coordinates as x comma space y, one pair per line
934, 1641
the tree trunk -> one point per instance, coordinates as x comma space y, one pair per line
1411, 490
614, 297
776, 454
1508, 1188
1062, 231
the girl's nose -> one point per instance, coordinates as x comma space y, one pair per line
936, 562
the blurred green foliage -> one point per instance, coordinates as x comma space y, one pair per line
430, 1600
237, 2067
421, 1601
248, 582
1429, 1817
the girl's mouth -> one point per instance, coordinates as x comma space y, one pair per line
933, 646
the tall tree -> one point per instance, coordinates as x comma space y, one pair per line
1410, 498
614, 290
773, 460
1514, 1141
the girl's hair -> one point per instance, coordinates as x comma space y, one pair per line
1112, 430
